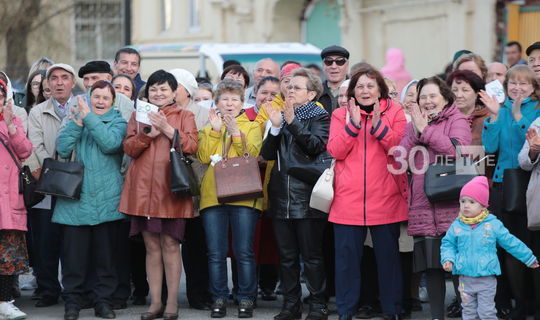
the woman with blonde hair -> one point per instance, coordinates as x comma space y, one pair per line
504, 134
471, 62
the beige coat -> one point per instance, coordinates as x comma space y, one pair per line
200, 113
43, 128
21, 114
533, 190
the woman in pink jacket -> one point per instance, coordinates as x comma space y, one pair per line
13, 255
367, 194
435, 120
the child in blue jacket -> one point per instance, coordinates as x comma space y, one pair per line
469, 249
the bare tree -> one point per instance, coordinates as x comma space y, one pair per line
20, 18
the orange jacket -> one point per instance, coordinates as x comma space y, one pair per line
147, 190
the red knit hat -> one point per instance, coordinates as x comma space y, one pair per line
287, 70
478, 189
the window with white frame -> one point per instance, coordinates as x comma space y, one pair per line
194, 21
99, 29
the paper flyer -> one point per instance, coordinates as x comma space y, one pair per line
143, 109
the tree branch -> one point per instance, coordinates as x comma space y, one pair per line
52, 15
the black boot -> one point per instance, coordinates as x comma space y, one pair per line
104, 311
317, 313
72, 313
290, 312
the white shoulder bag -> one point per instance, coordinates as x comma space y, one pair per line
323, 191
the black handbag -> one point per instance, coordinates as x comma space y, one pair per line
308, 169
183, 179
27, 182
61, 179
515, 183
443, 182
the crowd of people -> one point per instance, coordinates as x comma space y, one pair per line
383, 241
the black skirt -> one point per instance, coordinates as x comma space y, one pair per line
427, 253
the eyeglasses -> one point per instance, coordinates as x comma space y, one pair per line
393, 94
339, 61
295, 88
35, 83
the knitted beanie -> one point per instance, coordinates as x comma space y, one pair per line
478, 189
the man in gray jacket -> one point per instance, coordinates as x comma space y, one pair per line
44, 122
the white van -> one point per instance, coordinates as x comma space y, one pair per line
209, 57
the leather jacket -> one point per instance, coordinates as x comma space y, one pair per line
288, 196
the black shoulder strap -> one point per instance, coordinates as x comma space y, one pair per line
11, 154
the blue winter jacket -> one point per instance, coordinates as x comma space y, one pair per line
506, 136
473, 251
98, 146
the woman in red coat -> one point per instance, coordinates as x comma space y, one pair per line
367, 193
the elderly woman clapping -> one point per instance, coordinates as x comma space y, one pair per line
95, 135
299, 133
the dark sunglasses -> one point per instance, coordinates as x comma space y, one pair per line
338, 61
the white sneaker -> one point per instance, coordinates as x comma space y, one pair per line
29, 285
10, 312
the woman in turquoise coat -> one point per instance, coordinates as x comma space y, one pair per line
95, 135
504, 135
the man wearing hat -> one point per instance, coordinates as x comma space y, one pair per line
44, 123
533, 58
335, 67
94, 71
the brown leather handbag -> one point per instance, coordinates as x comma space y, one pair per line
237, 178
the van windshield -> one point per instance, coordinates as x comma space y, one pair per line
248, 60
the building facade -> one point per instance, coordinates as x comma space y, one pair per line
428, 31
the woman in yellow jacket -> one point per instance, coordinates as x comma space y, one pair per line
229, 122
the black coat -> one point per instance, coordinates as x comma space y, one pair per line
288, 197
328, 101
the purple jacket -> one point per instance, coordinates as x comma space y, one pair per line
426, 218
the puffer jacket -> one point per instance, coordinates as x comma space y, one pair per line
98, 147
473, 251
366, 193
426, 218
288, 196
506, 136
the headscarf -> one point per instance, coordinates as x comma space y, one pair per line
405, 88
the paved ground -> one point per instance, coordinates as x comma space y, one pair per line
265, 310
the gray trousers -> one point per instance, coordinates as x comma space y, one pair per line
478, 297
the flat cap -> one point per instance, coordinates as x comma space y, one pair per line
63, 66
95, 67
532, 47
334, 51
